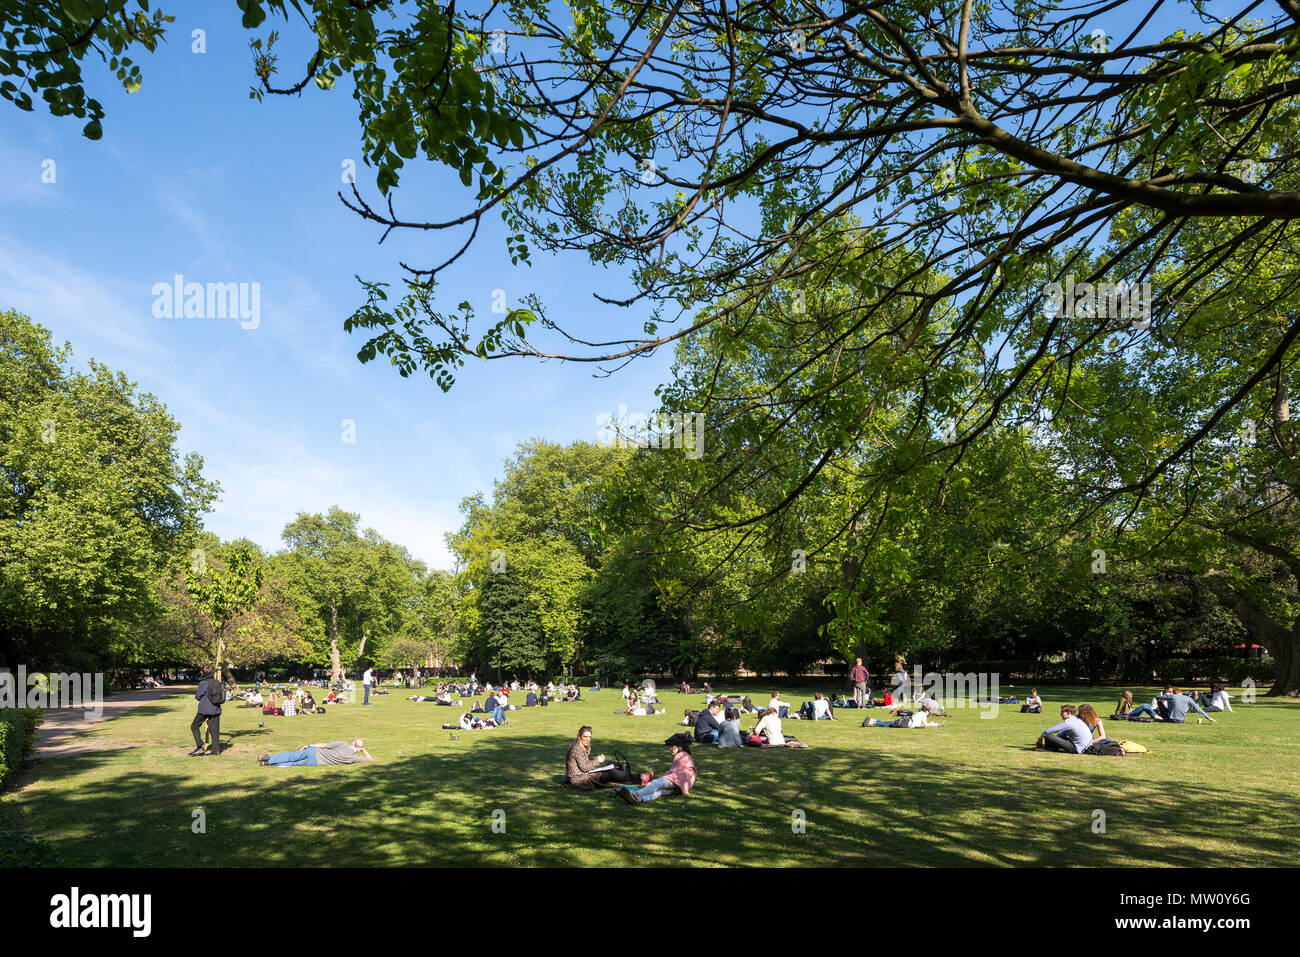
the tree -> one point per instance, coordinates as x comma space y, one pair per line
508, 632
95, 502
230, 605
327, 566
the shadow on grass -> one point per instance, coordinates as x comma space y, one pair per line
866, 805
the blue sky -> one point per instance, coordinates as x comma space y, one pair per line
194, 178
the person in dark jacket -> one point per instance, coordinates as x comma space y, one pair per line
707, 725
209, 712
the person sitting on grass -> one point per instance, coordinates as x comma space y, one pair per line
678, 779
1071, 735
633, 705
707, 726
308, 703
580, 767
1143, 710
1174, 707
1089, 716
777, 705
1033, 704
254, 700
821, 708
1124, 707
769, 733
1216, 699
311, 755
729, 732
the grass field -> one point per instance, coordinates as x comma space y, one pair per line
970, 793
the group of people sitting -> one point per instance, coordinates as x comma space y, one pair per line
586, 773
281, 702
640, 704
1172, 705
720, 725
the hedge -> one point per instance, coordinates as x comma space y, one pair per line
17, 739
1189, 671
1232, 671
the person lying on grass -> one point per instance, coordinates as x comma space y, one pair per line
678, 779
441, 698
469, 722
906, 719
579, 766
311, 755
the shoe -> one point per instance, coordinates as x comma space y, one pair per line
628, 795
196, 753
264, 759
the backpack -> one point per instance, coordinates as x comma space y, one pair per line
692, 717
1105, 747
216, 691
1132, 747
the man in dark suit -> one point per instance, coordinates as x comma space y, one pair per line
209, 712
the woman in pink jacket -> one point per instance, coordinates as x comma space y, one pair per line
680, 776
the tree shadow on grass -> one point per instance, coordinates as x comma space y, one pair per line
826, 805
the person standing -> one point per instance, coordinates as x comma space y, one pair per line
860, 678
210, 693
367, 680
900, 680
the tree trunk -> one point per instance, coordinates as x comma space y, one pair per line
336, 667
1282, 642
365, 636
221, 651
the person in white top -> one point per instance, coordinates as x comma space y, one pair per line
770, 725
821, 708
776, 704
627, 692
367, 680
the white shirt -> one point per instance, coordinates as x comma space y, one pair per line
627, 693
1220, 700
820, 707
775, 703
772, 725
368, 678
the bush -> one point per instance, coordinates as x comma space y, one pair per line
20, 849
17, 739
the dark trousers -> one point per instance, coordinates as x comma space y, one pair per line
214, 729
1054, 742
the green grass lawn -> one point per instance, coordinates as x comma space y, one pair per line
970, 793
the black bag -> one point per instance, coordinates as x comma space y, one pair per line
621, 763
216, 691
681, 738
320, 710
1105, 747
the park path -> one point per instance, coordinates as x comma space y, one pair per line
63, 732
